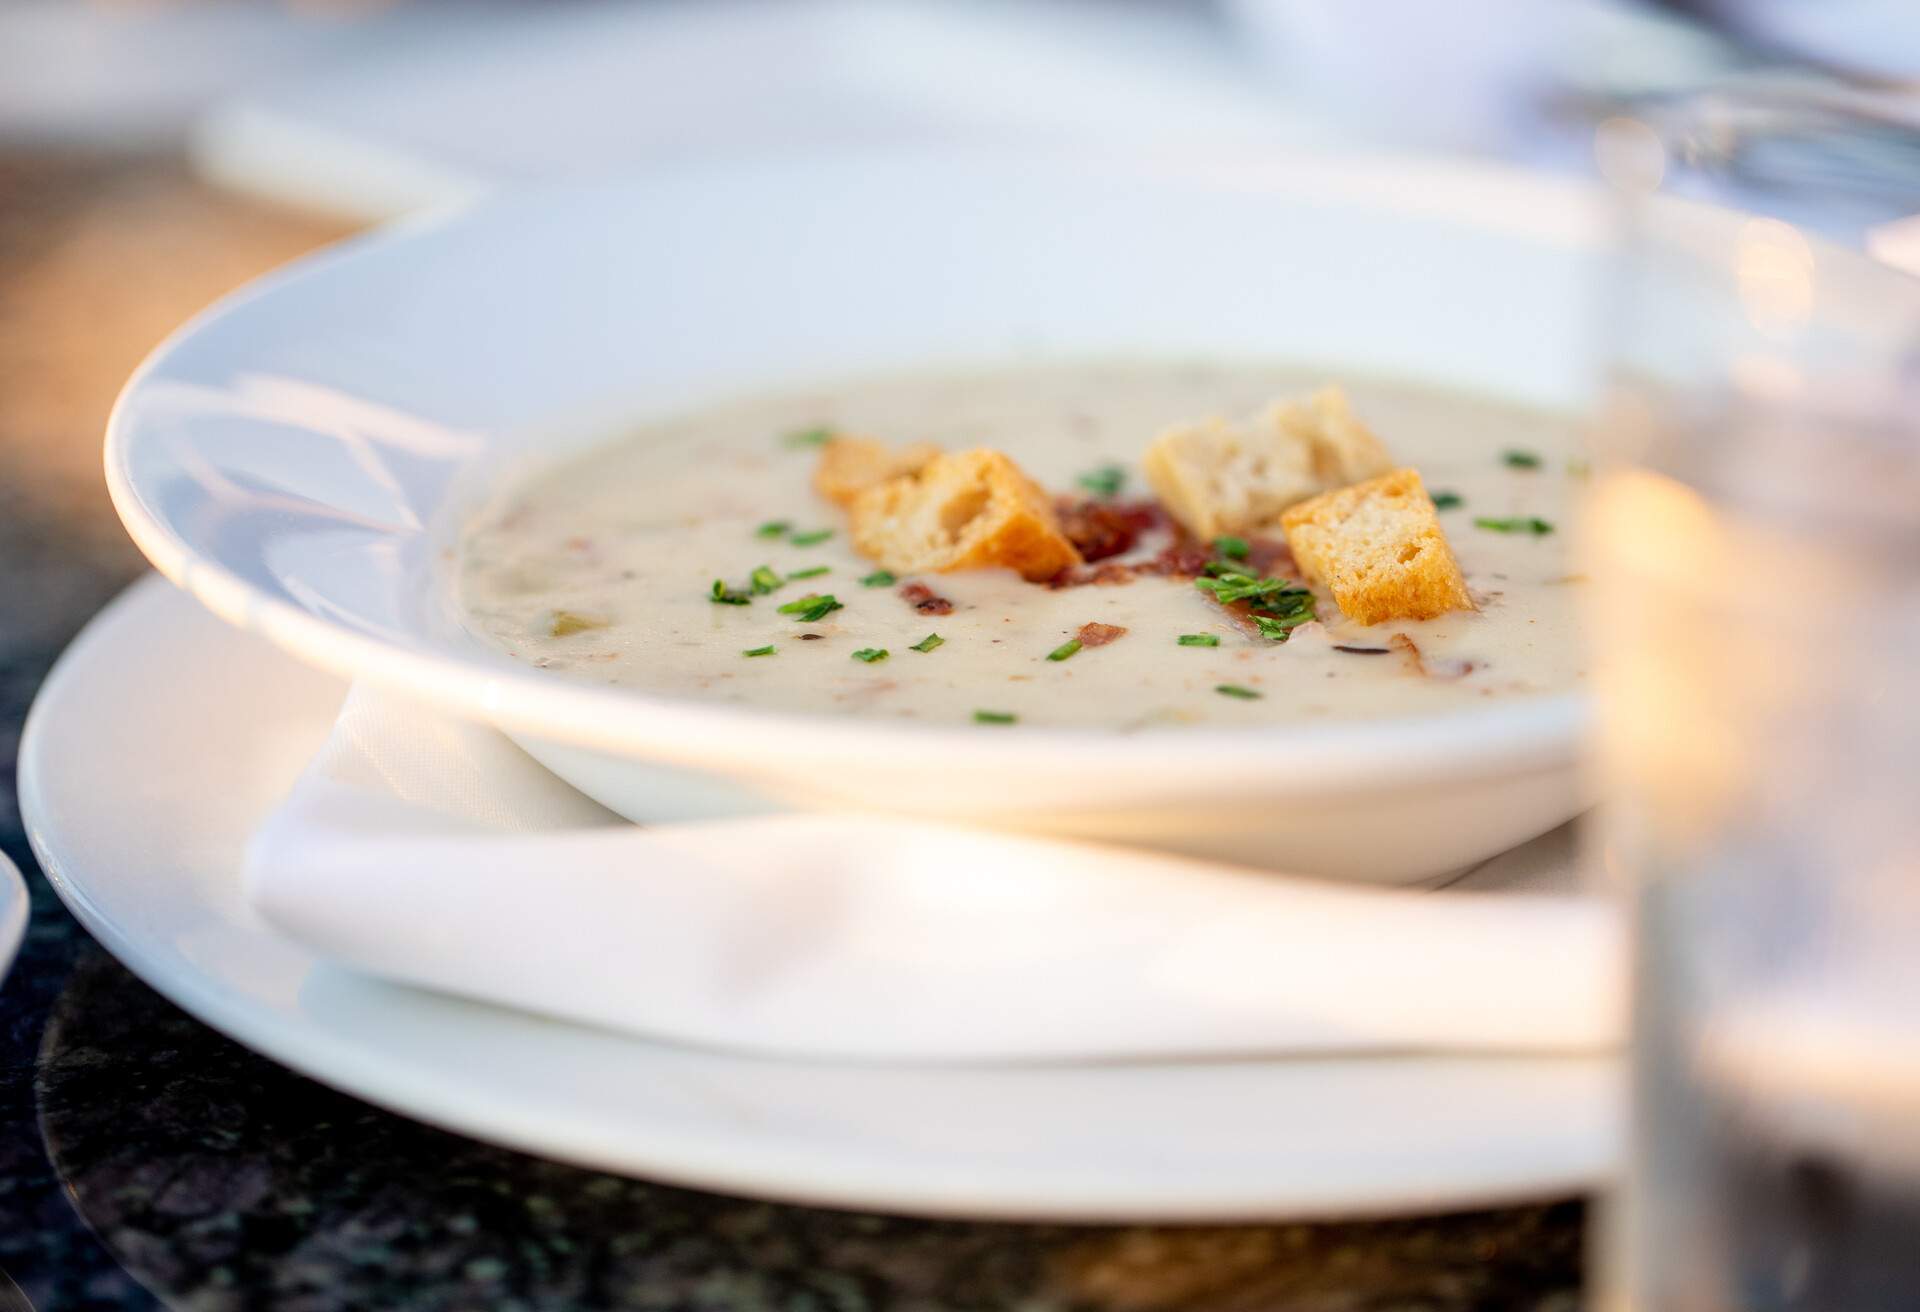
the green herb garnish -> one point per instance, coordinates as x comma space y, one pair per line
813, 573
809, 437
1279, 628
1279, 606
811, 607
773, 528
726, 596
810, 539
994, 717
929, 642
1448, 501
1104, 482
1517, 459
1198, 640
878, 579
871, 654
759, 651
764, 580
1235, 690
1518, 524
566, 623
1064, 650
1231, 585
1232, 548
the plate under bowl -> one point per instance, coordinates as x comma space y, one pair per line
147, 853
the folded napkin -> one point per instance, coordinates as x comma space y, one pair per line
434, 852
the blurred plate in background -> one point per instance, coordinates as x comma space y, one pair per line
13, 913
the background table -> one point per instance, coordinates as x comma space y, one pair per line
147, 1162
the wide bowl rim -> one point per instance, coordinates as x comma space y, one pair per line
1522, 735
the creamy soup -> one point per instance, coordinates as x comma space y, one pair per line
602, 569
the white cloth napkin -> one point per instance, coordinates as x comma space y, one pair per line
434, 852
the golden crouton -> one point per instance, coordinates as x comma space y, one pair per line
850, 465
1378, 547
964, 510
1344, 449
1218, 476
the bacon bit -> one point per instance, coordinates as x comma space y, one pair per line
1099, 635
1180, 560
1100, 529
1095, 527
1407, 647
579, 544
1183, 558
1417, 664
812, 637
923, 599
1269, 557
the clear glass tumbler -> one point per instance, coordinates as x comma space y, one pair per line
1755, 539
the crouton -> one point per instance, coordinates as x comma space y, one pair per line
850, 465
1378, 547
1218, 476
1344, 449
963, 510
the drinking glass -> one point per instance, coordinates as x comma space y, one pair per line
1755, 546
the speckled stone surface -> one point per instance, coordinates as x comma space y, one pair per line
147, 1162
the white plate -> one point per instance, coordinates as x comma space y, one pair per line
162, 736
300, 457
13, 914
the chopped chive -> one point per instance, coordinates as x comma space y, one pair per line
878, 579
929, 642
813, 573
1518, 524
809, 437
764, 580
1518, 459
1280, 627
1232, 548
759, 651
811, 607
1448, 501
1232, 585
773, 528
1235, 690
994, 717
1278, 606
1198, 640
871, 654
726, 596
566, 623
1064, 650
1104, 482
809, 539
